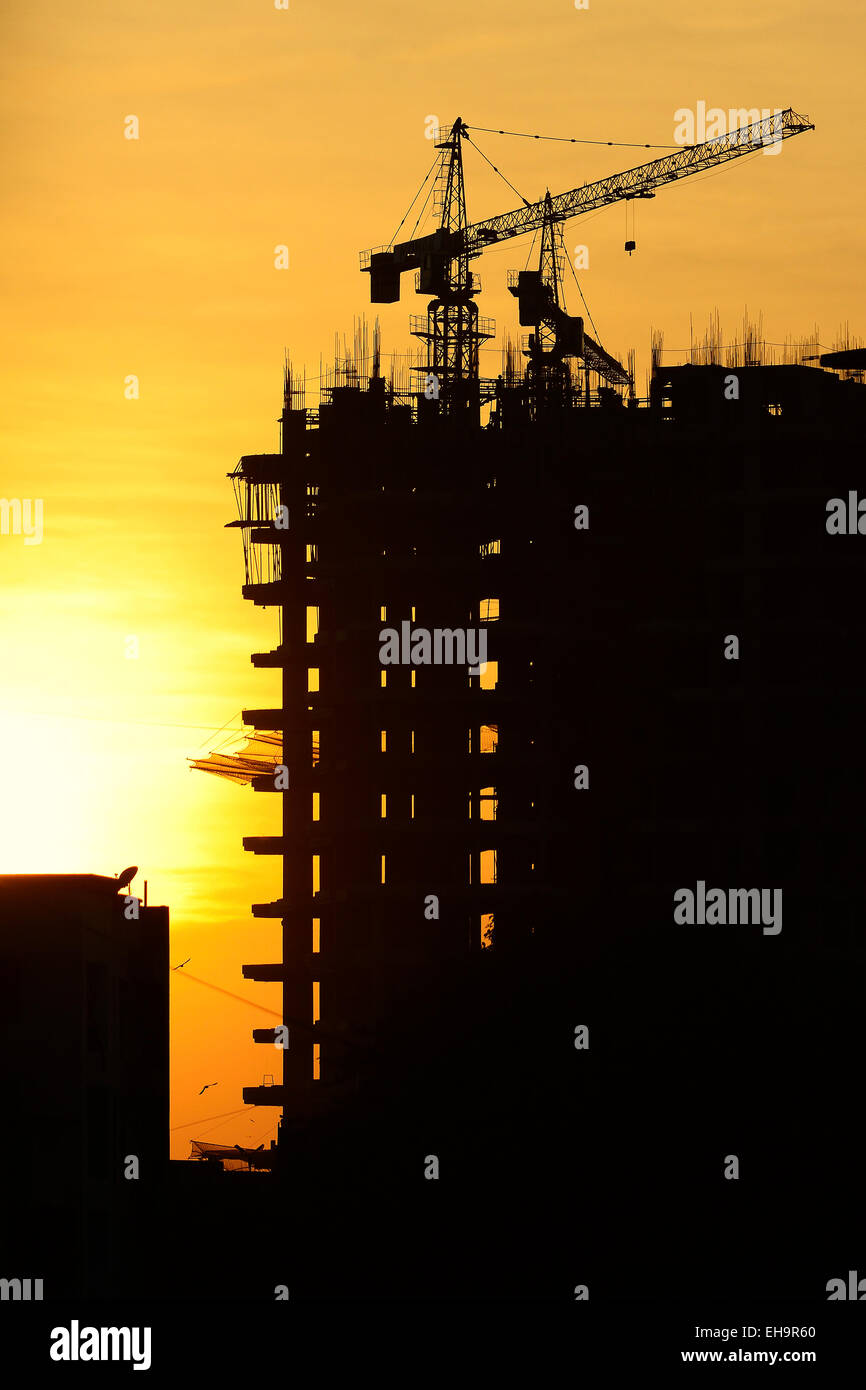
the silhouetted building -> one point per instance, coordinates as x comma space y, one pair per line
475, 865
85, 1079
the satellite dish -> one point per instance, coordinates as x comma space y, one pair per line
124, 879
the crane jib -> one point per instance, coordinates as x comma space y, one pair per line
632, 183
639, 182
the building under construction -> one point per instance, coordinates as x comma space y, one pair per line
478, 860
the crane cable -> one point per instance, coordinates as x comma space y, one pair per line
583, 300
575, 140
190, 1124
414, 201
525, 201
342, 1041
430, 191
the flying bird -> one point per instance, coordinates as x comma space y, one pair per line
182, 964
207, 1087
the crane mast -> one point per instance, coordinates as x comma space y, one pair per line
453, 329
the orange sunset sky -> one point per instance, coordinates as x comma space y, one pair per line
155, 257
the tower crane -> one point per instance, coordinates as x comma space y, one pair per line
453, 329
558, 335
